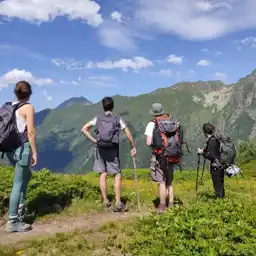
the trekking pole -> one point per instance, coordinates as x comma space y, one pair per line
197, 174
201, 180
136, 183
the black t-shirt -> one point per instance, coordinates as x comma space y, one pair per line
212, 150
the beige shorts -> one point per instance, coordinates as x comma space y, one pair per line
161, 172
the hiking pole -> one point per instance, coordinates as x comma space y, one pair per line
201, 180
197, 173
136, 183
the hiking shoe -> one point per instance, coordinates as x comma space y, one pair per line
107, 204
17, 226
22, 211
161, 209
119, 207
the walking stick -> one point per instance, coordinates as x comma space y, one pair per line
136, 183
201, 180
197, 173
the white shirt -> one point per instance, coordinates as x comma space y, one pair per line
122, 123
20, 120
149, 129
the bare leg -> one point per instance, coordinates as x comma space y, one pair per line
170, 195
118, 184
103, 186
162, 193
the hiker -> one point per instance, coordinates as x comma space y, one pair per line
22, 157
212, 153
162, 164
108, 126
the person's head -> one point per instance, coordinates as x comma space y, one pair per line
208, 129
157, 109
108, 104
23, 90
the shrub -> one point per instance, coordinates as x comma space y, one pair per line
47, 192
224, 227
246, 151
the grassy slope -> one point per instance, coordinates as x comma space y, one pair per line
203, 227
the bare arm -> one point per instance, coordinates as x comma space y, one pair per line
29, 112
129, 136
148, 140
85, 131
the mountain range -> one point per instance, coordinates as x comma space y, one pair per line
232, 108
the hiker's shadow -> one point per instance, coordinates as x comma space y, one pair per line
46, 204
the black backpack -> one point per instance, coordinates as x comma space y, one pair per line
10, 137
227, 150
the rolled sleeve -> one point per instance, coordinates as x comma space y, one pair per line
123, 125
149, 129
93, 121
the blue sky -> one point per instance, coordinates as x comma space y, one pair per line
69, 48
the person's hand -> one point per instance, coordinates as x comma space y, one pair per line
133, 152
34, 159
200, 151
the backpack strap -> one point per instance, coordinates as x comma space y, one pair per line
162, 134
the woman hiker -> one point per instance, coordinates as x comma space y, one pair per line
22, 158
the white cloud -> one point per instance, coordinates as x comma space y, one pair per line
175, 59
203, 63
15, 75
47, 96
69, 64
106, 81
47, 10
117, 36
218, 53
196, 19
221, 75
101, 78
135, 63
205, 50
75, 83
117, 16
249, 41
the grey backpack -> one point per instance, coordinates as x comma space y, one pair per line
227, 150
107, 131
166, 139
10, 137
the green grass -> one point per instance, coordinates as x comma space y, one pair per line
194, 227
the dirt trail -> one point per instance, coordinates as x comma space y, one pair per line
64, 224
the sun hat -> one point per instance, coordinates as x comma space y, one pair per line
157, 109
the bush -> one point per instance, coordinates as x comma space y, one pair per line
246, 151
47, 192
223, 227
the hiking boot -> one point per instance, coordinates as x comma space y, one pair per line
22, 211
119, 207
106, 203
17, 226
161, 209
